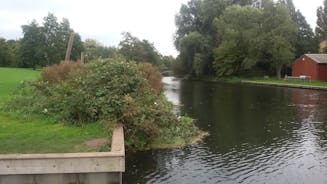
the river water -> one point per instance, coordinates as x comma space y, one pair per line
258, 134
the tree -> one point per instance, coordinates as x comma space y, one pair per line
50, 31
188, 20
5, 53
192, 47
197, 17
305, 38
95, 50
321, 28
32, 46
134, 49
238, 27
47, 44
277, 36
56, 39
305, 41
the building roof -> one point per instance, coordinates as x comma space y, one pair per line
319, 58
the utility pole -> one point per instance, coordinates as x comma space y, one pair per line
69, 46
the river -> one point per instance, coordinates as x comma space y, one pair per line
258, 134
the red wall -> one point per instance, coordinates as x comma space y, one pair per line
322, 72
305, 66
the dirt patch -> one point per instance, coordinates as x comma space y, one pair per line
96, 143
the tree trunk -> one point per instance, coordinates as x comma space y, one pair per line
279, 71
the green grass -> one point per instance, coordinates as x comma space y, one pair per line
11, 78
22, 133
36, 135
296, 82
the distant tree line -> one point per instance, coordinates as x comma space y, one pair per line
45, 45
233, 38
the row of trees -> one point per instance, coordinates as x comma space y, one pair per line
44, 45
228, 38
41, 45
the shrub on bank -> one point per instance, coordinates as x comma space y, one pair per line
107, 91
153, 76
59, 72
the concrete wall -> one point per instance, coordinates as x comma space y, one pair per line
88, 178
98, 168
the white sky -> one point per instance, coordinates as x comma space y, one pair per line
105, 20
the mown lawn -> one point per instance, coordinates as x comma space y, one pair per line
10, 78
297, 82
22, 133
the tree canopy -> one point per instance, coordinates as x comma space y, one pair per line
138, 50
229, 38
46, 44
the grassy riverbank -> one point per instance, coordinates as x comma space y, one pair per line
31, 122
10, 78
24, 133
290, 82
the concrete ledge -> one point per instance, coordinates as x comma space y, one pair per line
22, 167
98, 178
285, 85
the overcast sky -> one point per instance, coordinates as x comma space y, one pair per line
105, 20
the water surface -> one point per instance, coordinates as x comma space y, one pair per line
258, 134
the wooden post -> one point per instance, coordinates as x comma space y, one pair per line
69, 46
82, 57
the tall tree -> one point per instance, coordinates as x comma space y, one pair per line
188, 20
305, 39
278, 34
191, 54
197, 17
134, 49
32, 46
50, 30
46, 44
6, 57
238, 27
95, 50
321, 28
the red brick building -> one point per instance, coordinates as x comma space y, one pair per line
312, 65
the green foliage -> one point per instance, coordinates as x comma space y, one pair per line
305, 41
25, 133
321, 28
279, 32
31, 48
153, 76
252, 36
134, 49
46, 44
235, 40
59, 72
192, 47
108, 91
95, 50
7, 52
197, 18
238, 26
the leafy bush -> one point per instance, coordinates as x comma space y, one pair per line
107, 91
152, 74
59, 72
